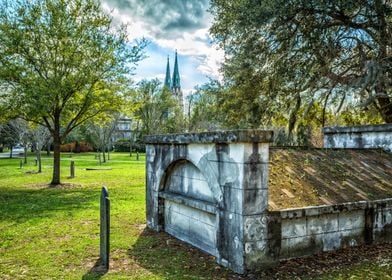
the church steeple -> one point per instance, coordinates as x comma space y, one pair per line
167, 78
176, 86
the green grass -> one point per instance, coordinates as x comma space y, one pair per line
53, 233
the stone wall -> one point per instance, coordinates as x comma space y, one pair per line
309, 230
366, 136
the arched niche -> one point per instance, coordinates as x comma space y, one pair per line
189, 208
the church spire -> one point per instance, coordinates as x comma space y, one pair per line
167, 78
176, 87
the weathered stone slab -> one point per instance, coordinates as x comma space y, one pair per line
72, 169
255, 227
352, 220
322, 224
257, 136
366, 136
294, 227
191, 225
104, 228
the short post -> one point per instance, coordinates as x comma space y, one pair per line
20, 164
36, 162
72, 169
105, 228
137, 155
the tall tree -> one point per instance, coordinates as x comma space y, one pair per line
205, 110
101, 131
330, 51
60, 60
10, 134
155, 107
40, 137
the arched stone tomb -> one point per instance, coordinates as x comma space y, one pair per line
211, 190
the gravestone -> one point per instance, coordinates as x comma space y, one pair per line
72, 169
105, 228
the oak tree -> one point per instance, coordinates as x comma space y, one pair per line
306, 52
57, 59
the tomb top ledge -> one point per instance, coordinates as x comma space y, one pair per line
226, 136
358, 128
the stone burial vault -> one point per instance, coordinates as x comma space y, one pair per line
211, 190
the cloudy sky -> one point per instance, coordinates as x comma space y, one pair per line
171, 25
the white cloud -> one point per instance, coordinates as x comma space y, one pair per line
197, 46
194, 42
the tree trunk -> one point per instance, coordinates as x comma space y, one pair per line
39, 161
130, 146
385, 109
25, 154
56, 161
56, 150
103, 154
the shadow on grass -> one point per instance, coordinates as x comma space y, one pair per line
170, 258
96, 272
20, 205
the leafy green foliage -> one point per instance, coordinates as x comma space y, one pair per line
156, 108
293, 53
204, 110
62, 63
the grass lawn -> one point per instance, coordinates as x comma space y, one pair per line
53, 233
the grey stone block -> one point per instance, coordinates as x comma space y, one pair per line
352, 237
367, 136
255, 227
322, 224
295, 227
255, 176
233, 136
233, 199
255, 201
330, 241
352, 220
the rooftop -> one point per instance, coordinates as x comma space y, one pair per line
227, 136
308, 177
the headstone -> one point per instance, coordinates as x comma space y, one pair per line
72, 169
105, 228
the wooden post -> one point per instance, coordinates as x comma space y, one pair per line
105, 228
36, 162
21, 164
72, 169
137, 155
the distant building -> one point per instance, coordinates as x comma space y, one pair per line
123, 129
174, 84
